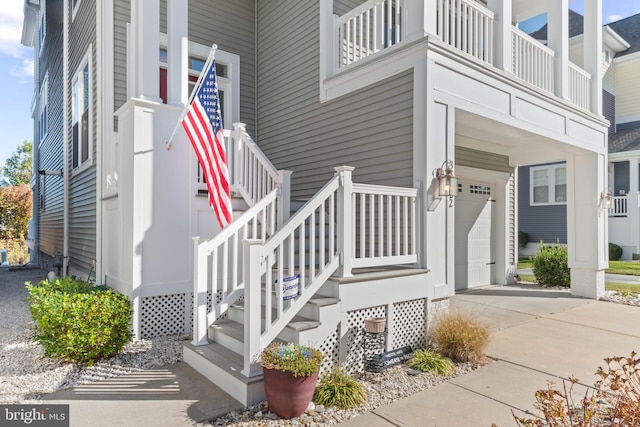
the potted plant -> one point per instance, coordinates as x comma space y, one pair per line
290, 375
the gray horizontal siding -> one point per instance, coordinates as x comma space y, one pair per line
231, 26
541, 223
82, 186
49, 156
482, 160
121, 16
370, 129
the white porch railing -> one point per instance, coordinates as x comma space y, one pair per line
315, 243
579, 87
218, 263
532, 61
467, 26
365, 30
619, 206
254, 176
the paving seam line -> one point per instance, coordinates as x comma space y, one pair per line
543, 372
390, 420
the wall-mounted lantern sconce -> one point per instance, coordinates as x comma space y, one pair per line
447, 181
606, 200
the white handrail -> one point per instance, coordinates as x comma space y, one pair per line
532, 61
219, 260
579, 88
368, 28
467, 26
253, 174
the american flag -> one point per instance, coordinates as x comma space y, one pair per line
203, 125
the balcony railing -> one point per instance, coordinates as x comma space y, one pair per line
619, 206
466, 25
532, 61
579, 92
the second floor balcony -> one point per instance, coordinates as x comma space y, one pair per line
467, 26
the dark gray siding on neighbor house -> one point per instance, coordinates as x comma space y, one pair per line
370, 129
609, 109
50, 200
541, 223
82, 185
621, 178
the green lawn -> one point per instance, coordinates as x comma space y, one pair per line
615, 267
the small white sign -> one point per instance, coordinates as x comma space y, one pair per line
289, 287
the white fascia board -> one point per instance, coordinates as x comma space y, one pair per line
31, 8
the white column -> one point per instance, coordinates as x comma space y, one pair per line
145, 21
558, 40
503, 53
420, 16
587, 223
177, 52
593, 51
634, 174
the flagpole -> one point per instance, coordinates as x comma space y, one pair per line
210, 58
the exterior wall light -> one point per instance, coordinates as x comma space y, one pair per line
606, 200
447, 181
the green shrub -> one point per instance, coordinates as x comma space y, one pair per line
523, 239
550, 265
429, 361
615, 252
459, 337
341, 390
78, 322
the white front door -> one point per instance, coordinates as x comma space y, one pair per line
475, 263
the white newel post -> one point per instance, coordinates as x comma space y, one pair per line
252, 255
502, 35
421, 18
235, 154
558, 41
199, 294
345, 214
284, 202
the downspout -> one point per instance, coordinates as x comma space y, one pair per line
65, 139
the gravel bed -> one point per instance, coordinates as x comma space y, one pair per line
26, 375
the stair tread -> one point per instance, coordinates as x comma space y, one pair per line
224, 358
229, 328
363, 275
303, 325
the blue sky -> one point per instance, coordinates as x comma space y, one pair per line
16, 67
16, 80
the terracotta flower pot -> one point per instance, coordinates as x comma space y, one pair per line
288, 396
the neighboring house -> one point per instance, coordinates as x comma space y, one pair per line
546, 219
364, 102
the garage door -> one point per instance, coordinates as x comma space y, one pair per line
475, 263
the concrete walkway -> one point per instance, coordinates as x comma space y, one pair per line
538, 336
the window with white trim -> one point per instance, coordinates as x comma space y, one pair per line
82, 132
548, 185
228, 77
43, 104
